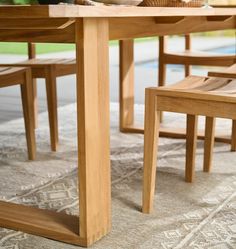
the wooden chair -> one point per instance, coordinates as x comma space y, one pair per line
210, 97
10, 76
48, 69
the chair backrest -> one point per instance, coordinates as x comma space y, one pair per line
163, 43
31, 50
187, 42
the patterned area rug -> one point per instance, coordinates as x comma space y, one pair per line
195, 216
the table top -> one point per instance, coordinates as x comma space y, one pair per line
78, 11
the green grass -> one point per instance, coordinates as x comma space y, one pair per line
21, 48
43, 48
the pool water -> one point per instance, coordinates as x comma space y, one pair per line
225, 50
220, 50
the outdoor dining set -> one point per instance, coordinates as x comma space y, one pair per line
91, 28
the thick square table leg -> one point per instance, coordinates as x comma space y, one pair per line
92, 37
94, 221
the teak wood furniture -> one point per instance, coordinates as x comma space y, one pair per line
187, 58
48, 69
210, 97
10, 76
91, 28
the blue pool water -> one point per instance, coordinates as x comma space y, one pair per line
221, 50
225, 50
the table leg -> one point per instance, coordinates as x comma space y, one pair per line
92, 37
126, 83
94, 221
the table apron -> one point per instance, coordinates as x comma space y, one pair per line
62, 30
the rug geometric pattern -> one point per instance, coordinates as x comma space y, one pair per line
195, 216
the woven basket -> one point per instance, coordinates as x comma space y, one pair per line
172, 3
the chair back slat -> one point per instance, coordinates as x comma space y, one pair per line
31, 50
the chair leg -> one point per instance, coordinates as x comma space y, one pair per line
52, 106
209, 143
27, 104
126, 85
187, 69
35, 103
151, 134
161, 80
162, 65
162, 74
233, 136
191, 140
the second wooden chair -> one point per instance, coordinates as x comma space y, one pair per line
48, 69
11, 76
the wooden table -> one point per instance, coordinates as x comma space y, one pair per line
91, 28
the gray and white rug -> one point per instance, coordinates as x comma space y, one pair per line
195, 216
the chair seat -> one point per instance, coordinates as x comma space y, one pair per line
196, 53
10, 76
61, 66
196, 87
229, 72
10, 70
192, 57
46, 62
